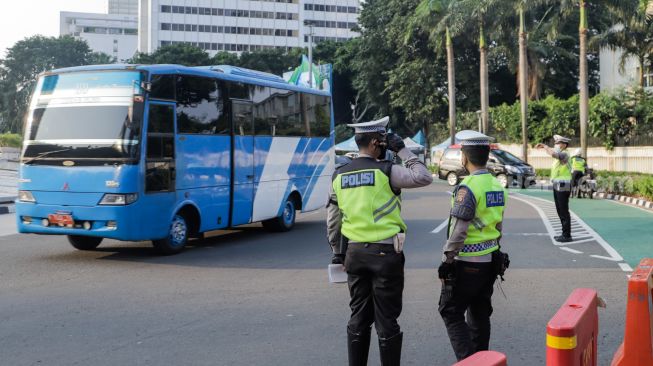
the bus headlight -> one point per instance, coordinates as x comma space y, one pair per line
112, 199
26, 196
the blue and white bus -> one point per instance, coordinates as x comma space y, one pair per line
167, 152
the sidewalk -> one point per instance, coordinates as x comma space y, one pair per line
626, 228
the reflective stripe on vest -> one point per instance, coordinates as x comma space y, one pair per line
482, 234
371, 211
560, 172
578, 164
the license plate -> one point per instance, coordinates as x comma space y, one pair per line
61, 220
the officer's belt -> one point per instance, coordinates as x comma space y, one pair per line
385, 241
479, 247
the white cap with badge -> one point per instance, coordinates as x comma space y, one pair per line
558, 138
373, 126
473, 138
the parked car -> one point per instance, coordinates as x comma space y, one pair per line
509, 169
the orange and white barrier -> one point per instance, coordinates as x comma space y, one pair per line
637, 348
571, 335
484, 358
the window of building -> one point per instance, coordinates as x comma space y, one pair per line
166, 9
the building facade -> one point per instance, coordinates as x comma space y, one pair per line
115, 34
123, 7
244, 25
612, 76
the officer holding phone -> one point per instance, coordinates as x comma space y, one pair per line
365, 208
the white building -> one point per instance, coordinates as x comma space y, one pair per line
612, 77
115, 34
124, 7
244, 25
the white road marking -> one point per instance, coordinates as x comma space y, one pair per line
613, 255
571, 250
440, 227
625, 267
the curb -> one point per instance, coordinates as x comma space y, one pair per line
625, 199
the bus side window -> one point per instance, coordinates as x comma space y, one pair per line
241, 112
160, 163
199, 106
316, 111
163, 87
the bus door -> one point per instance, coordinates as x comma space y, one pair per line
160, 168
242, 162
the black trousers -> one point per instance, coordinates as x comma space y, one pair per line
472, 294
376, 284
575, 181
561, 198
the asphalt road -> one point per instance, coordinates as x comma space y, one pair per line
249, 297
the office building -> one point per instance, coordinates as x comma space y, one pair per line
114, 34
244, 25
613, 77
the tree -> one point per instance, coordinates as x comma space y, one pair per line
28, 58
178, 53
444, 17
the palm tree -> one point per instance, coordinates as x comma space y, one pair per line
479, 10
444, 16
647, 7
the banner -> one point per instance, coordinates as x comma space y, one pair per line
300, 77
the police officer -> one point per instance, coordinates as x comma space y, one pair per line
578, 166
561, 180
364, 207
471, 253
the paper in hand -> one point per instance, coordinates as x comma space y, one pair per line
337, 273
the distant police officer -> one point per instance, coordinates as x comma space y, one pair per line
471, 256
365, 207
578, 169
561, 180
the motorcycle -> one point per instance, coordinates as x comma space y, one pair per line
587, 185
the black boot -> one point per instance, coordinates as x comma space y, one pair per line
390, 350
358, 347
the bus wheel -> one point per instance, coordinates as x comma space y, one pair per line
286, 221
84, 242
176, 239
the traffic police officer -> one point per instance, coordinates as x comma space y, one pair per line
561, 180
471, 253
578, 166
364, 207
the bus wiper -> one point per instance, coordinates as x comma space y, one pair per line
44, 154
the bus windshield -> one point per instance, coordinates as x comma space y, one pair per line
89, 116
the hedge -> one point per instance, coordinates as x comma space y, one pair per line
10, 140
621, 116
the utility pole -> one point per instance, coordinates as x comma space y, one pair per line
310, 24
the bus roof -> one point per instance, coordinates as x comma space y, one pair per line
224, 72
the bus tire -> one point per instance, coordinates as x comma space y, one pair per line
286, 221
84, 242
177, 237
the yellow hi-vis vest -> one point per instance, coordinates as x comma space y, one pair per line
560, 171
371, 210
578, 164
482, 233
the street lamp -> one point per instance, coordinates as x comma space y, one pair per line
310, 25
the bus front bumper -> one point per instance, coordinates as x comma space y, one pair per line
114, 222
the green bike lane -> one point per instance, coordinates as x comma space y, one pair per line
628, 229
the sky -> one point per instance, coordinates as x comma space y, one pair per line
24, 18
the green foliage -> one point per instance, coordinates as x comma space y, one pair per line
629, 184
10, 140
25, 60
179, 53
613, 117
